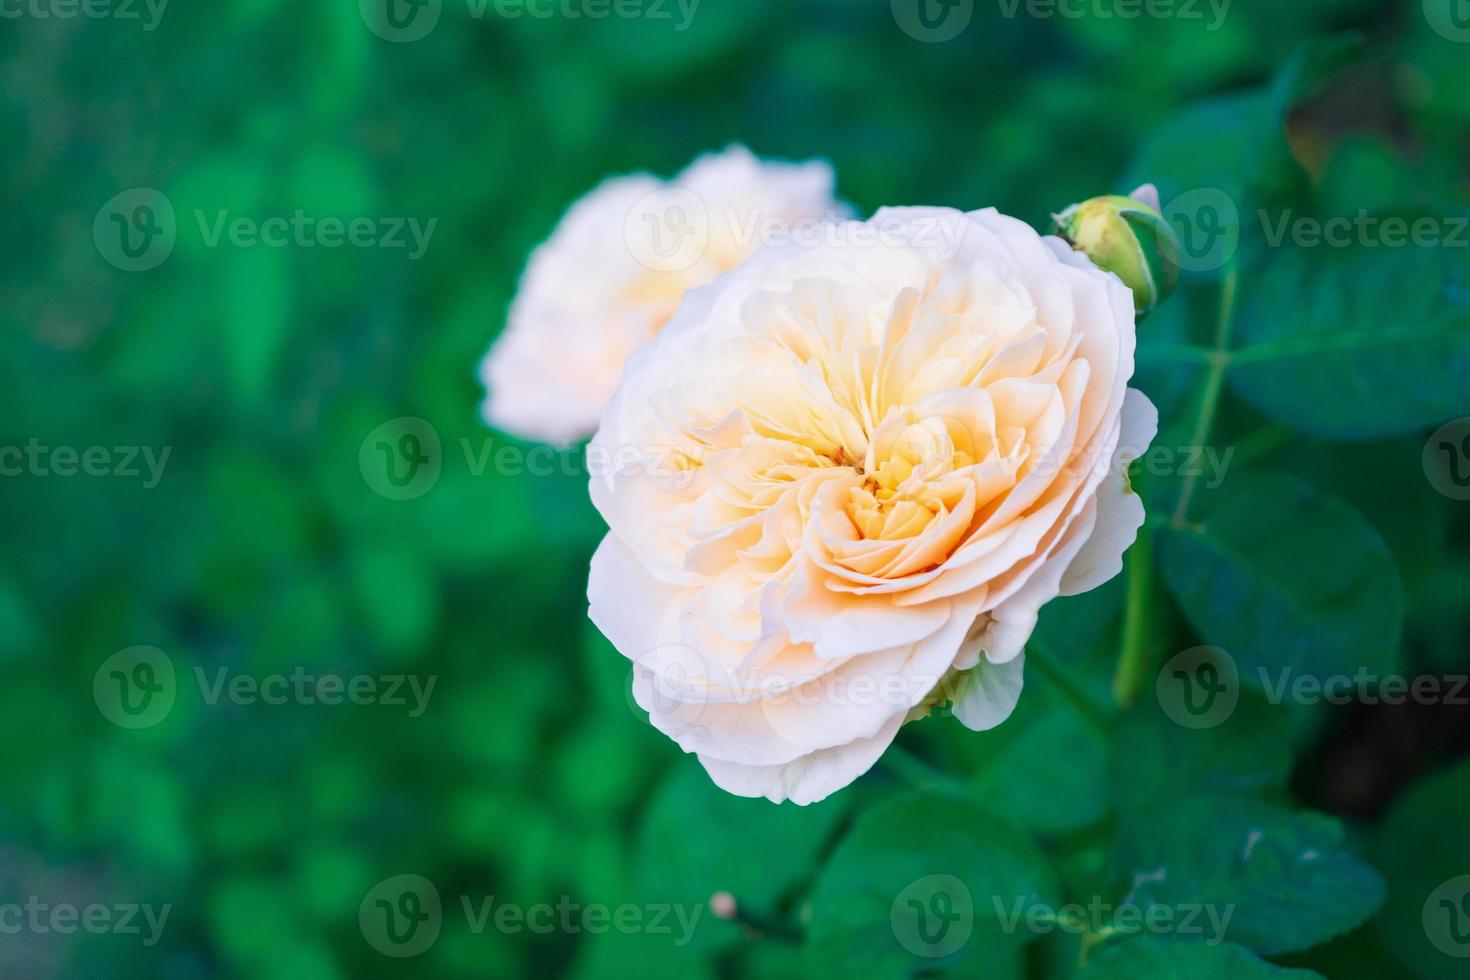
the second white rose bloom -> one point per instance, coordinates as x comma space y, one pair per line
867, 464
616, 269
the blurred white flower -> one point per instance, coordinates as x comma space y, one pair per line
617, 267
893, 448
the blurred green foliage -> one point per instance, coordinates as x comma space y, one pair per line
529, 775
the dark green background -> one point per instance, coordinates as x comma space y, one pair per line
531, 776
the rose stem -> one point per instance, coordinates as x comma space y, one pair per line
1133, 664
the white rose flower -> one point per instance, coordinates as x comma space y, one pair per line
615, 270
863, 467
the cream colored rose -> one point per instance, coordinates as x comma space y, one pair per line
617, 267
869, 463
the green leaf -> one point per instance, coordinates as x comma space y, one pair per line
685, 851
1158, 959
1284, 879
1155, 759
921, 882
1002, 769
1425, 855
1360, 341
1289, 581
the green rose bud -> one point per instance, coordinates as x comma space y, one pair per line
1128, 237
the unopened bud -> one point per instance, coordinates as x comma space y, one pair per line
1128, 237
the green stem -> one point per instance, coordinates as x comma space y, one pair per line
1214, 385
1055, 671
1133, 666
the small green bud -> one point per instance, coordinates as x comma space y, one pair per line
1128, 237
